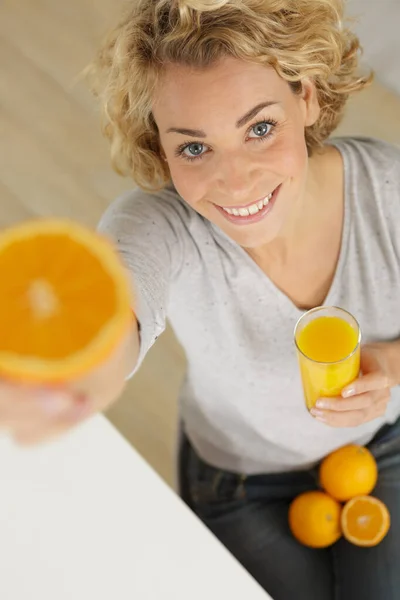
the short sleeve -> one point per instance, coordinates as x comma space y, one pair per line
148, 231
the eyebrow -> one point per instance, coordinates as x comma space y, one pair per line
239, 123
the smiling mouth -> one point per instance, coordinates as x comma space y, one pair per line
251, 209
250, 213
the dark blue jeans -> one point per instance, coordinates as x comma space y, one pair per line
249, 515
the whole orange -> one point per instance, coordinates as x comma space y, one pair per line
348, 472
314, 519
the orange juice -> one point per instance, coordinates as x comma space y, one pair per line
329, 352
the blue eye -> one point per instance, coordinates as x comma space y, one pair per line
193, 150
261, 129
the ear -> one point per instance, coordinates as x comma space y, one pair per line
311, 106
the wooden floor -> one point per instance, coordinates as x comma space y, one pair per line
53, 161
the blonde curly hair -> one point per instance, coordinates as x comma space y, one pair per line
298, 38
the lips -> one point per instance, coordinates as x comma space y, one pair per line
251, 213
249, 209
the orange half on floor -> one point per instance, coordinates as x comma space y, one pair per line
64, 301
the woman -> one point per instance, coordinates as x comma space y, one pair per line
246, 217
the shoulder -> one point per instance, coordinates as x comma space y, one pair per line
161, 214
372, 172
373, 186
157, 226
138, 204
370, 156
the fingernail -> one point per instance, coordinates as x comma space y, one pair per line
54, 404
321, 404
318, 414
348, 392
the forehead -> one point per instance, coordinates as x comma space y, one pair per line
229, 86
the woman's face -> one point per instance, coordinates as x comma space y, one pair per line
233, 136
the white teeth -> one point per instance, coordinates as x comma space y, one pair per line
267, 199
253, 209
250, 210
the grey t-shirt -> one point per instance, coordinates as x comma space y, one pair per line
242, 403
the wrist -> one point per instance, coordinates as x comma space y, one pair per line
393, 361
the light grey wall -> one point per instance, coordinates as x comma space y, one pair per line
378, 25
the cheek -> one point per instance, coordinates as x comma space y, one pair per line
290, 154
188, 183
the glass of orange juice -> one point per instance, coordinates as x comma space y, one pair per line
328, 348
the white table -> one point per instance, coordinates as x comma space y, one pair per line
85, 518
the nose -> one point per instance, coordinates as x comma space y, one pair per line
236, 175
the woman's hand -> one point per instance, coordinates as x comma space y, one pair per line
368, 396
33, 414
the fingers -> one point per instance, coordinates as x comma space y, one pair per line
38, 433
17, 400
367, 383
33, 415
360, 402
369, 410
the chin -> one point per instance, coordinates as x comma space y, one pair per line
252, 239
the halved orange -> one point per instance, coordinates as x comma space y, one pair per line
64, 300
365, 521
